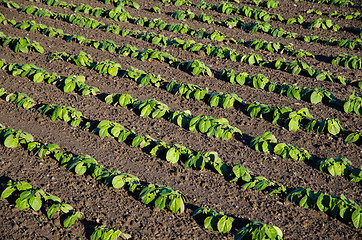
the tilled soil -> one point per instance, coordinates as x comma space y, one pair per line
120, 210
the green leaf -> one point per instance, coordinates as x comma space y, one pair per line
53, 210
21, 204
225, 224
334, 127
293, 124
175, 204
118, 182
69, 87
160, 202
353, 137
357, 218
8, 191
204, 125
316, 97
172, 155
80, 168
69, 221
38, 77
11, 141
208, 222
35, 203
97, 234
66, 208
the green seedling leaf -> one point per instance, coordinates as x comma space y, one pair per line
173, 155
35, 203
225, 224
11, 141
118, 182
22, 203
70, 220
357, 218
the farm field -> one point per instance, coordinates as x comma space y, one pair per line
181, 119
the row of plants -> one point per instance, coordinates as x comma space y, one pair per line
238, 172
295, 67
344, 15
19, 99
349, 61
24, 196
340, 166
36, 74
233, 22
129, 3
342, 3
228, 8
282, 116
300, 68
19, 44
212, 127
266, 3
148, 193
262, 27
350, 104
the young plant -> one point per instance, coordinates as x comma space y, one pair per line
27, 196
11, 138
20, 99
17, 44
353, 137
104, 233
215, 220
353, 104
257, 230
162, 197
155, 10
196, 67
65, 113
324, 24
349, 61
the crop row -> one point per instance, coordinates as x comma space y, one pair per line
18, 44
351, 104
267, 28
230, 22
345, 15
159, 195
345, 3
212, 161
25, 196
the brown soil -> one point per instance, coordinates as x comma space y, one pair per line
120, 210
